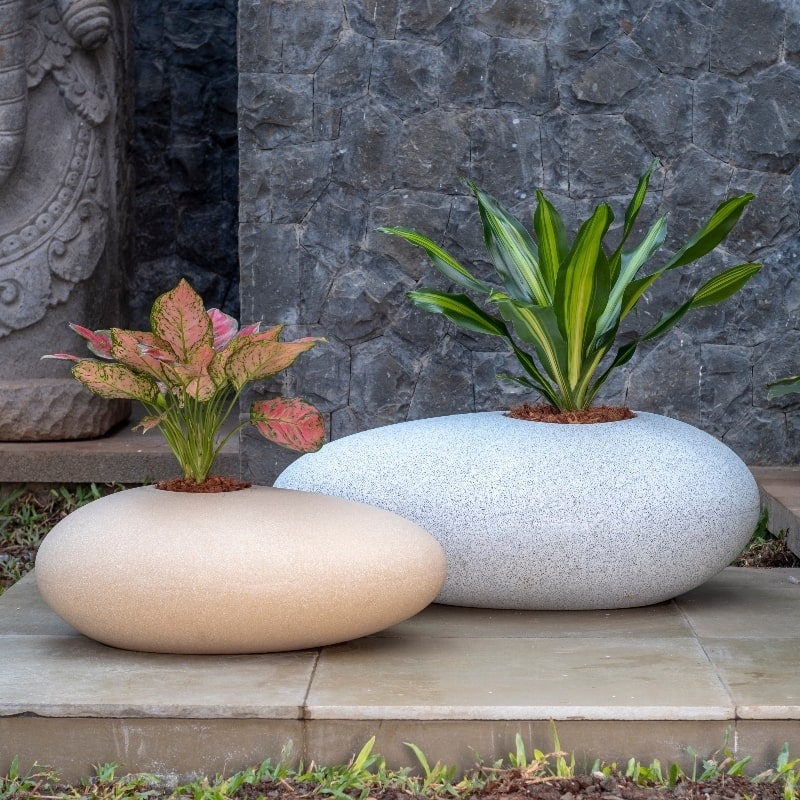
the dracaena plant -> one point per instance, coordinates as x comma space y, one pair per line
568, 300
188, 373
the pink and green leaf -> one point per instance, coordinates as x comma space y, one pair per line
180, 319
98, 342
131, 349
114, 381
258, 360
246, 335
63, 357
201, 388
291, 423
150, 422
224, 327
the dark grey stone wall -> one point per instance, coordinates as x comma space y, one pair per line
358, 113
185, 152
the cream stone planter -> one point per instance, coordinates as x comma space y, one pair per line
547, 516
252, 571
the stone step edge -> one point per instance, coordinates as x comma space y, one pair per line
780, 496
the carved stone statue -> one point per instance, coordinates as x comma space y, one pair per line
63, 202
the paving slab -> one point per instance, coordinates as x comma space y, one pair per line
76, 677
443, 622
460, 683
513, 678
745, 603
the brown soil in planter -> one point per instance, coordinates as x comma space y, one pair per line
213, 483
546, 413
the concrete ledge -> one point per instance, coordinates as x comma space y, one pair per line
780, 495
123, 456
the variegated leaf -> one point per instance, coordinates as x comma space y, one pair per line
150, 422
224, 327
201, 388
127, 347
98, 342
257, 360
180, 319
290, 423
114, 381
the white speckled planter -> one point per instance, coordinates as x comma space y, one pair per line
545, 516
253, 571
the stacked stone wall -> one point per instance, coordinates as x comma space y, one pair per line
185, 152
360, 113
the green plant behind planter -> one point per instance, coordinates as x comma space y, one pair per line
568, 300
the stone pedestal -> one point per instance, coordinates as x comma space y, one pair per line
64, 192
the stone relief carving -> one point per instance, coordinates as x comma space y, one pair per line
61, 194
53, 221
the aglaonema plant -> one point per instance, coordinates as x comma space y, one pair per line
568, 300
188, 373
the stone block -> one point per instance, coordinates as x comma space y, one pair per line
434, 151
281, 186
505, 152
714, 114
463, 79
605, 157
519, 19
366, 147
767, 134
275, 109
662, 115
757, 28
675, 36
28, 408
276, 38
344, 76
608, 81
405, 76
520, 76
270, 272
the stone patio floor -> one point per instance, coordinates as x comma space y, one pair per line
719, 662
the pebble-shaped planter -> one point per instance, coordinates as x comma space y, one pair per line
551, 516
252, 571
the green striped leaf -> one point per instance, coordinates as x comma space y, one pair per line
576, 301
723, 285
513, 252
552, 239
459, 309
441, 259
712, 233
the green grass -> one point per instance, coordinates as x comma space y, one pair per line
366, 776
27, 515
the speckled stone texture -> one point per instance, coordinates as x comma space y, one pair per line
254, 571
546, 516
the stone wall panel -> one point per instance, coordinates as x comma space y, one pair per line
675, 36
375, 119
